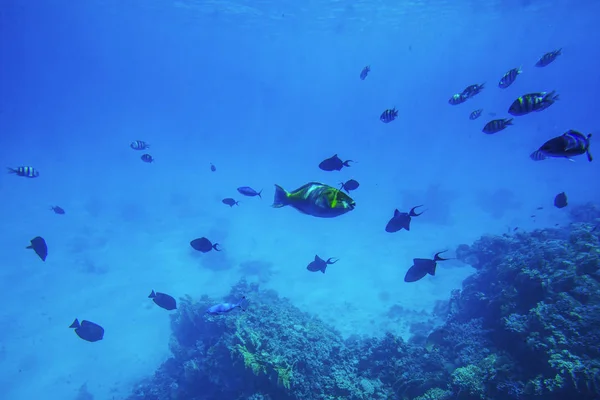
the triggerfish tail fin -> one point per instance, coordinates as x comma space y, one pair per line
589, 155
217, 247
281, 197
412, 212
240, 303
347, 163
260, 193
438, 258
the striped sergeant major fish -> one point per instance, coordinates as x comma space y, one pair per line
509, 78
139, 145
532, 102
547, 58
27, 172
567, 145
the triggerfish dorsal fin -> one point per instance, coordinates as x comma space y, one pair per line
75, 324
152, 295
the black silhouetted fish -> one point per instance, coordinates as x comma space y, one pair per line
560, 201
57, 209
349, 185
139, 145
230, 202
27, 172
334, 163
548, 58
401, 220
567, 145
204, 245
88, 330
212, 167
38, 244
422, 267
365, 71
147, 158
319, 264
163, 300
248, 191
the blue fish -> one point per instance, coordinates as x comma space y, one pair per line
223, 308
248, 191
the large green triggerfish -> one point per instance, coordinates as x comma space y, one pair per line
315, 199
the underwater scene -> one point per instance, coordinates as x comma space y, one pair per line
299, 200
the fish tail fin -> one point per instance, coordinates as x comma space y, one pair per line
11, 170
412, 212
508, 121
152, 295
438, 258
75, 324
260, 193
331, 260
281, 197
216, 247
347, 163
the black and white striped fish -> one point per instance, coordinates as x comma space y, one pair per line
27, 172
139, 145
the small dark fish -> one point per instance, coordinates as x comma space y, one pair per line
532, 216
560, 201
204, 245
320, 265
401, 220
547, 58
248, 191
422, 267
515, 228
388, 115
147, 158
509, 78
349, 185
334, 163
163, 300
475, 114
27, 172
315, 199
57, 210
365, 71
212, 167
567, 145
457, 99
532, 102
496, 125
472, 90
38, 244
139, 145
88, 330
225, 307
230, 202
540, 208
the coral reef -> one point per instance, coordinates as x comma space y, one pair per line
524, 326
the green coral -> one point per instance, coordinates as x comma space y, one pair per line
251, 360
435, 394
469, 379
284, 375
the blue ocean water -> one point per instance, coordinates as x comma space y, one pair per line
264, 91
